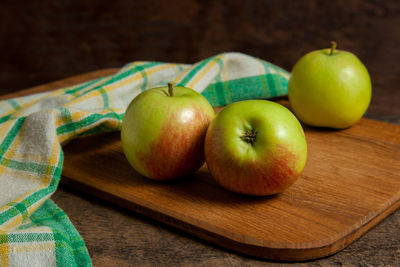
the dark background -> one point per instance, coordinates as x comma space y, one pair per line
42, 41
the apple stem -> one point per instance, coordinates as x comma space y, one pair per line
170, 89
333, 47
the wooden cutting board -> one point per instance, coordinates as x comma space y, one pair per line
350, 183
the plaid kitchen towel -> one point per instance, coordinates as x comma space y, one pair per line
34, 231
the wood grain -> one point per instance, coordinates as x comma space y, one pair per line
350, 183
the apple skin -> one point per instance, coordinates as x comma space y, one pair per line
267, 166
162, 135
329, 90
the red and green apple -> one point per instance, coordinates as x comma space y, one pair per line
329, 88
255, 147
163, 132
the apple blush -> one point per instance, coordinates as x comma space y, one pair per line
163, 132
255, 147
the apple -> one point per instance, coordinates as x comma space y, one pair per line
255, 147
163, 132
329, 88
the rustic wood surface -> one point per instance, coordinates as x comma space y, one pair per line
47, 40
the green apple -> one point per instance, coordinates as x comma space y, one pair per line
163, 132
329, 88
255, 147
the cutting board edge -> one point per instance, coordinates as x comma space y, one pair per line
326, 247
